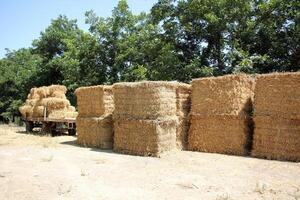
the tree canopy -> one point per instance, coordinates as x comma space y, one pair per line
177, 40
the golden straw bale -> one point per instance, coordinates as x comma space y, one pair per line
31, 102
277, 94
62, 114
52, 103
95, 131
33, 94
276, 138
144, 137
38, 111
71, 109
226, 134
58, 89
42, 92
95, 101
145, 100
58, 94
26, 111
230, 95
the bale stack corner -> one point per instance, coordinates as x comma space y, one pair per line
94, 123
277, 117
220, 114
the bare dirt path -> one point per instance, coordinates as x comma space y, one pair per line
43, 167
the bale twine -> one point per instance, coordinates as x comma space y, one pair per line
95, 101
276, 117
220, 114
95, 131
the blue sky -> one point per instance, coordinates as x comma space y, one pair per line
22, 21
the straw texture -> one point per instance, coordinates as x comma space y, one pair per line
95, 100
144, 137
220, 114
95, 131
277, 117
94, 122
150, 117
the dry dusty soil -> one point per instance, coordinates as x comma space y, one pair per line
44, 167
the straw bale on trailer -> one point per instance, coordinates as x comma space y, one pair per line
144, 137
220, 114
95, 131
277, 117
25, 110
53, 103
38, 111
94, 101
52, 98
64, 113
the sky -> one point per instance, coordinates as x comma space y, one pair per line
22, 21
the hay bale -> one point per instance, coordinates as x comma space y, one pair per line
94, 101
58, 89
230, 95
32, 94
144, 137
277, 94
276, 138
58, 94
95, 131
42, 92
145, 100
26, 111
220, 114
53, 103
62, 114
277, 117
38, 111
31, 102
225, 134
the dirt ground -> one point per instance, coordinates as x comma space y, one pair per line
44, 167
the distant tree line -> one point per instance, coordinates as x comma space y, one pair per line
176, 40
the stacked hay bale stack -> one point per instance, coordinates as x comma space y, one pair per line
52, 98
220, 114
277, 117
146, 117
94, 122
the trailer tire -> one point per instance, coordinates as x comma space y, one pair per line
29, 126
71, 131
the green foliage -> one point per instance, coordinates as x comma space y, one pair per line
177, 40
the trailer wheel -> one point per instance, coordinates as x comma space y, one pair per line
71, 131
29, 126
